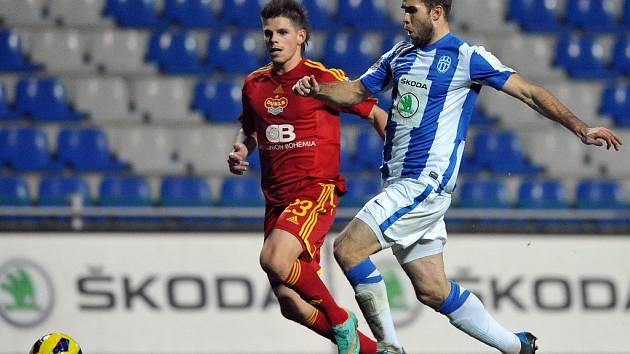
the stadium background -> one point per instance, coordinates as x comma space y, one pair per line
116, 116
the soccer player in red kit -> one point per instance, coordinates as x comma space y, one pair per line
299, 145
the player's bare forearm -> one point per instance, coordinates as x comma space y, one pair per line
342, 93
237, 158
249, 141
378, 118
542, 101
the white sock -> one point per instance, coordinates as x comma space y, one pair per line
371, 295
466, 312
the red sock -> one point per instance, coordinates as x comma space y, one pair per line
319, 324
305, 281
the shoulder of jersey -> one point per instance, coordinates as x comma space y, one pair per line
258, 72
324, 74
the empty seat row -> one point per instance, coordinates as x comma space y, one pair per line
187, 13
111, 99
174, 52
86, 149
370, 14
542, 194
587, 15
118, 191
584, 57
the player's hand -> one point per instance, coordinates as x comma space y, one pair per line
306, 86
597, 136
236, 159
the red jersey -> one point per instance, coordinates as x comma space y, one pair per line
298, 137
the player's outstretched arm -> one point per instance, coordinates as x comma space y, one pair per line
237, 158
343, 93
539, 99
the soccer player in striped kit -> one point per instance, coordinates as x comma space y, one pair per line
436, 78
298, 139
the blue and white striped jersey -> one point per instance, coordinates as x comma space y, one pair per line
434, 93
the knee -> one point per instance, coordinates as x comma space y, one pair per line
276, 267
345, 255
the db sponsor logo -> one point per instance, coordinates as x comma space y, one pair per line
280, 133
276, 105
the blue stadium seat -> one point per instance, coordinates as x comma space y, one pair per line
14, 191
119, 191
190, 13
363, 15
181, 55
134, 13
582, 56
241, 192
319, 14
219, 101
27, 149
621, 55
86, 149
481, 118
615, 102
626, 14
6, 111
241, 13
185, 191
591, 15
469, 165
542, 194
224, 47
58, 191
360, 190
535, 15
502, 152
476, 193
352, 53
12, 56
159, 43
598, 194
44, 99
369, 151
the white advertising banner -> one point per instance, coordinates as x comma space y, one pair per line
205, 294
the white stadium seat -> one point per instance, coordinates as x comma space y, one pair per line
106, 100
165, 100
121, 52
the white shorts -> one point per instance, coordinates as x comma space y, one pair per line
408, 216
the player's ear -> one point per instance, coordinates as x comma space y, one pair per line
301, 36
437, 12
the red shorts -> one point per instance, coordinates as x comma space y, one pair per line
308, 218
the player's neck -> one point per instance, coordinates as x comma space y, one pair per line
280, 69
440, 31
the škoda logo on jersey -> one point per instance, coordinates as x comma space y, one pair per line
276, 105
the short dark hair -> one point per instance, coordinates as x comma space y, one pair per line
290, 9
446, 5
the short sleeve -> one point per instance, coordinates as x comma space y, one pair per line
377, 77
486, 69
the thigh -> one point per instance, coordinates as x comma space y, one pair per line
308, 218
